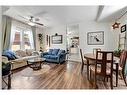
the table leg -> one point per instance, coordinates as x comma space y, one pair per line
40, 65
9, 81
117, 67
87, 69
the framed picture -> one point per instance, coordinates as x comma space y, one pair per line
95, 38
123, 28
47, 39
57, 39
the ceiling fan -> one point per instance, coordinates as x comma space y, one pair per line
32, 21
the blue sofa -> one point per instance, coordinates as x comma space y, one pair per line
54, 55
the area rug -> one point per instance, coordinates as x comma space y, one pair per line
29, 72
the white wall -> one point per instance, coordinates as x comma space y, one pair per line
84, 27
60, 30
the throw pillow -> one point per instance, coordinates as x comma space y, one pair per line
13, 54
29, 52
9, 54
21, 53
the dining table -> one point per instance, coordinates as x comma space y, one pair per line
92, 57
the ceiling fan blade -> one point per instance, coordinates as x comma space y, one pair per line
37, 19
39, 23
23, 17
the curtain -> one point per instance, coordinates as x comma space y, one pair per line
34, 35
30, 34
6, 32
13, 31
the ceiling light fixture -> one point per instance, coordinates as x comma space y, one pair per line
31, 24
116, 24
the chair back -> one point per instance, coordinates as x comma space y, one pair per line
104, 59
95, 50
81, 56
123, 58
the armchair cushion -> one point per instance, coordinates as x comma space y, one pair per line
53, 57
55, 51
50, 51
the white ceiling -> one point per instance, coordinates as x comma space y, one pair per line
112, 13
55, 15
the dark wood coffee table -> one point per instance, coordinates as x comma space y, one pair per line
36, 63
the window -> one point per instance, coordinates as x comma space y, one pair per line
16, 43
21, 38
28, 41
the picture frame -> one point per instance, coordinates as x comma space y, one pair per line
57, 39
123, 28
47, 39
95, 38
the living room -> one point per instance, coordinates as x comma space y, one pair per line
41, 31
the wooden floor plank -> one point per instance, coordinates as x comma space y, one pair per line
64, 76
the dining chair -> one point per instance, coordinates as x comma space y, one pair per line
95, 50
121, 67
101, 67
84, 62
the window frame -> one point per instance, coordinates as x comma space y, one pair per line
22, 41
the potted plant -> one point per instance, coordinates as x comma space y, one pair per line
117, 52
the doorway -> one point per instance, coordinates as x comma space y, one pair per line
73, 42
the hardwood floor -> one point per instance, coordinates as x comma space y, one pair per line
55, 76
64, 76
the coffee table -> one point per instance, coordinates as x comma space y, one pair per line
36, 63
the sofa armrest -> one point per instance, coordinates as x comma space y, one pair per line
5, 59
62, 55
35, 53
44, 53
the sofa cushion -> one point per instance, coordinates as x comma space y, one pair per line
29, 52
61, 51
53, 57
50, 51
21, 53
55, 51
